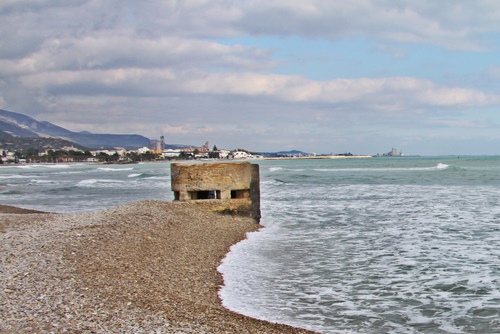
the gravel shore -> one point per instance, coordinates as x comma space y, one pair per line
145, 267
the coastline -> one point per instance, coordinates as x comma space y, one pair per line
319, 157
149, 266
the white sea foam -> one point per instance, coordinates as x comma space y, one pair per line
14, 176
110, 169
381, 169
158, 178
57, 166
24, 166
38, 167
50, 166
98, 183
366, 257
442, 166
42, 182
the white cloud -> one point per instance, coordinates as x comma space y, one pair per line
111, 52
450, 24
405, 93
162, 66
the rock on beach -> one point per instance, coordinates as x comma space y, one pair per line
144, 267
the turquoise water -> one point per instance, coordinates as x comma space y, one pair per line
82, 187
382, 245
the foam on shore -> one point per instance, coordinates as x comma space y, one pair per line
143, 267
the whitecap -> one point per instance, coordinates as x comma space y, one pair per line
162, 178
14, 176
107, 169
442, 166
35, 181
56, 166
95, 183
21, 166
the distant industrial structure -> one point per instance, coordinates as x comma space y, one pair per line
157, 146
393, 153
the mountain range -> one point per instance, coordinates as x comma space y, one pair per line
19, 125
19, 131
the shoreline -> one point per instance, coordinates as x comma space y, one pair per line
186, 160
320, 157
149, 266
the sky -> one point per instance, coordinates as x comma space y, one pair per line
359, 76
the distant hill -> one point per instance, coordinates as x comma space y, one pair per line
11, 143
19, 125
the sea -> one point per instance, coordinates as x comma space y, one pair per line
374, 245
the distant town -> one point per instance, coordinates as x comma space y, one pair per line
24, 139
156, 151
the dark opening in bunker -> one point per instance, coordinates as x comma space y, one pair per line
241, 193
205, 194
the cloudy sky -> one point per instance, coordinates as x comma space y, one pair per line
358, 76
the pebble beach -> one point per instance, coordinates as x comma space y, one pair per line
144, 267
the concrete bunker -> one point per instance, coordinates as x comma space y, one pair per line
223, 187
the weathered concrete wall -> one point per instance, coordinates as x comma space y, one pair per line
224, 187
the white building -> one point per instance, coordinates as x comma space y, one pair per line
143, 150
241, 155
224, 154
170, 153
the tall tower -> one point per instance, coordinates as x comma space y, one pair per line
162, 143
